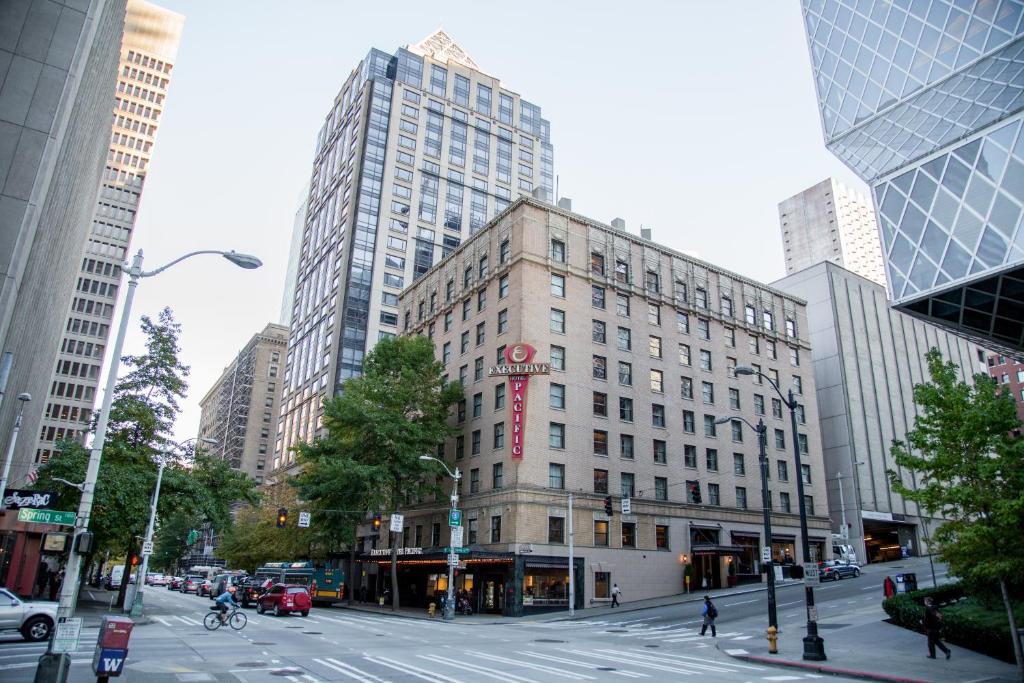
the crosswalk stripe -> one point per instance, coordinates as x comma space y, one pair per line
732, 665
348, 670
188, 620
632, 662
475, 668
743, 637
410, 669
537, 667
573, 662
665, 660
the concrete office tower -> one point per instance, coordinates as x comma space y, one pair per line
148, 49
418, 151
924, 101
866, 358
292, 272
831, 222
1009, 372
641, 342
242, 407
58, 70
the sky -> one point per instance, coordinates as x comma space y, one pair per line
692, 118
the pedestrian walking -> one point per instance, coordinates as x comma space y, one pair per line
933, 627
41, 579
615, 594
710, 614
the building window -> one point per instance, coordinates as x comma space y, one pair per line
621, 271
625, 409
777, 408
496, 529
598, 332
475, 442
794, 356
707, 390
705, 360
556, 529
497, 475
654, 314
701, 297
739, 466
661, 536
654, 346
478, 405
780, 439
711, 458
769, 320
729, 335
657, 415
737, 431
597, 297
472, 531
628, 534
693, 493
558, 358
558, 285
809, 504
726, 307
474, 480
600, 481
600, 367
710, 429
622, 305
784, 503
556, 476
596, 263
625, 374
754, 345
601, 539
556, 394
741, 497
758, 404
734, 398
750, 314
600, 442
625, 339
790, 327
503, 321
557, 321
682, 322
690, 456
499, 435
478, 369
657, 381
627, 484
684, 354
782, 467
556, 435
713, 495
626, 446
558, 251
503, 286
481, 332
499, 396
660, 452
661, 488
688, 422
805, 473
703, 328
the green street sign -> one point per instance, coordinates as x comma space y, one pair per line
454, 517
46, 516
457, 551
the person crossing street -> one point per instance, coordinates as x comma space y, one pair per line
710, 613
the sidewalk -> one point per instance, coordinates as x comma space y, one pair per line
95, 603
879, 651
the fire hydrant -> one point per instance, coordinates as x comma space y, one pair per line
773, 640
431, 609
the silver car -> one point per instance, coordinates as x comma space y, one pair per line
34, 620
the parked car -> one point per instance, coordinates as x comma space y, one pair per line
114, 577
205, 588
34, 620
160, 580
174, 583
191, 584
221, 582
250, 588
834, 571
284, 599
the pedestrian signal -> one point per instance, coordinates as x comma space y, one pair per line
282, 518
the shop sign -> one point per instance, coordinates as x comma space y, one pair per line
518, 368
375, 552
23, 498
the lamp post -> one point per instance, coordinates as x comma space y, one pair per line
23, 399
55, 666
762, 439
135, 603
814, 645
449, 605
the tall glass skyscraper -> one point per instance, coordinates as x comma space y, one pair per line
924, 100
419, 150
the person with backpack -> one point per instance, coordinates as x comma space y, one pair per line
933, 627
615, 594
710, 614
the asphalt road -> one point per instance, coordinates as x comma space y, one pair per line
656, 644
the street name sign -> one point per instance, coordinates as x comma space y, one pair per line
46, 516
303, 520
397, 521
461, 551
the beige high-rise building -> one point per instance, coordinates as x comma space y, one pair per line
241, 408
635, 351
831, 222
148, 51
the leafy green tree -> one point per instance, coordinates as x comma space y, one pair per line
254, 539
170, 542
379, 426
971, 472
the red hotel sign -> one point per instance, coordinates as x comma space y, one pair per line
518, 368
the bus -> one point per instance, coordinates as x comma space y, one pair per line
326, 584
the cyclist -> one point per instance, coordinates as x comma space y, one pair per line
223, 600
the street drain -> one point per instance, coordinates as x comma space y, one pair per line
295, 627
251, 665
616, 630
548, 640
606, 668
652, 645
313, 633
287, 672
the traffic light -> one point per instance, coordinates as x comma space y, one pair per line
694, 491
135, 560
282, 518
608, 505
376, 521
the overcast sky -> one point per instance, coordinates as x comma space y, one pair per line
693, 118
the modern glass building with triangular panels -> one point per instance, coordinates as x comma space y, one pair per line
924, 100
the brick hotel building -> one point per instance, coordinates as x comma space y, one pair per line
642, 342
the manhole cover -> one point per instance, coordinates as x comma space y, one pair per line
615, 630
606, 668
652, 645
317, 633
548, 640
286, 672
251, 664
832, 625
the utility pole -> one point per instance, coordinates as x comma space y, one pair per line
572, 573
23, 398
845, 530
762, 441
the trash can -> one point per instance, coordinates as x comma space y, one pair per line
910, 581
901, 586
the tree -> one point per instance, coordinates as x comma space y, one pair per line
255, 539
380, 425
971, 473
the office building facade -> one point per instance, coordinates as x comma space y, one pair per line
241, 409
1009, 373
634, 346
831, 222
867, 357
924, 102
148, 51
420, 149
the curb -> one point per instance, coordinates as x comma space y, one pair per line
822, 668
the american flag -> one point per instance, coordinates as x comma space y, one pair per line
33, 475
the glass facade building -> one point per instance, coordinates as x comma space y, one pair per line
420, 149
924, 100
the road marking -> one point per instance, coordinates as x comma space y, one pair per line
637, 621
632, 660
573, 662
475, 668
699, 659
163, 621
781, 678
537, 667
783, 604
410, 669
743, 637
188, 621
731, 604
348, 670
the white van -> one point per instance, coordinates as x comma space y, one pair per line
116, 574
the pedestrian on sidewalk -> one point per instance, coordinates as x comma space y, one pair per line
933, 627
710, 614
615, 594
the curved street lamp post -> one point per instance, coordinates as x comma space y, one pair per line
814, 645
449, 605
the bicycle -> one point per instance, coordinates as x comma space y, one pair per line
236, 619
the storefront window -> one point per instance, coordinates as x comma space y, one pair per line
783, 551
602, 584
746, 561
545, 586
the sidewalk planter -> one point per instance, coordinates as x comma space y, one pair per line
907, 610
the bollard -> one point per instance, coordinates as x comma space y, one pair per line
773, 640
380, 601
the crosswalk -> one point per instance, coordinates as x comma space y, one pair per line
675, 632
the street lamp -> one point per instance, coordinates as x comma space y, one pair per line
844, 531
762, 439
69, 589
814, 645
23, 399
449, 606
135, 604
